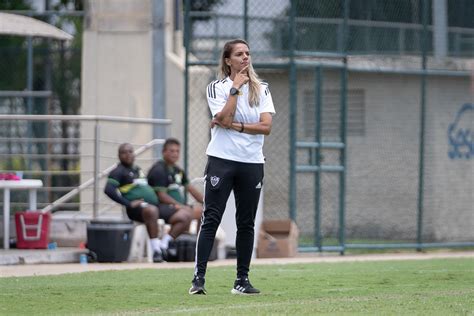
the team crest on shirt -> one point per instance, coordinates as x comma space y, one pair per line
215, 180
178, 178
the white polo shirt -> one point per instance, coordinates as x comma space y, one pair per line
227, 143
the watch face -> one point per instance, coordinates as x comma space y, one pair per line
234, 91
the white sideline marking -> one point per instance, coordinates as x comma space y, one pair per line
54, 269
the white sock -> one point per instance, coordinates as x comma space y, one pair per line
165, 241
155, 244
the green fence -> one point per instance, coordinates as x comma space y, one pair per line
372, 145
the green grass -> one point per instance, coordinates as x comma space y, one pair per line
438, 287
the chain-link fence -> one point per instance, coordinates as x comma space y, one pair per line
372, 143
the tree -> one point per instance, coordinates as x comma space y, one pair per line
461, 13
202, 6
323, 36
12, 77
12, 61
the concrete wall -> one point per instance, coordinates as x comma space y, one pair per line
382, 178
175, 95
174, 73
449, 195
383, 164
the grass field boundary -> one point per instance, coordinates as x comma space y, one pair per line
55, 269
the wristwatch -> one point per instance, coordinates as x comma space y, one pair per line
234, 91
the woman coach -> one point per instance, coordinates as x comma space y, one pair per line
242, 109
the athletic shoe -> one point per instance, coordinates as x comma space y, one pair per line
164, 254
197, 286
158, 256
243, 286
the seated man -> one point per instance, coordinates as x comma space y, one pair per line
127, 185
169, 181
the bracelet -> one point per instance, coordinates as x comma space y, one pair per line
241, 127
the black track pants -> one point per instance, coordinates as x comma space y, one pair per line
223, 176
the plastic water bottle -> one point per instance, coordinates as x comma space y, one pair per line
83, 258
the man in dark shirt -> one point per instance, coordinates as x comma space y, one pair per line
128, 186
170, 181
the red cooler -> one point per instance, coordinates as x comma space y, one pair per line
32, 229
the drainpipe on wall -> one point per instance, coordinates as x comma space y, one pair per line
440, 28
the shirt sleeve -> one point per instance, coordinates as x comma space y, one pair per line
112, 192
111, 188
216, 97
115, 177
266, 101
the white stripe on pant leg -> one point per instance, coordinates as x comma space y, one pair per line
202, 222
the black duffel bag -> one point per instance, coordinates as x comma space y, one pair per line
182, 248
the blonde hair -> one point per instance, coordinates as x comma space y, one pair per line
224, 71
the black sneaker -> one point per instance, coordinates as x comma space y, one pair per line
164, 254
198, 286
158, 256
243, 286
